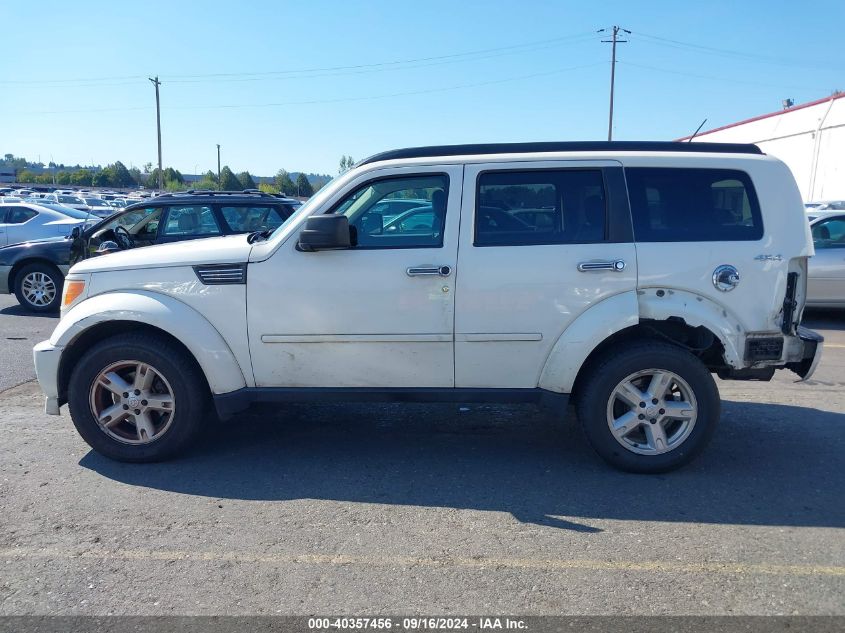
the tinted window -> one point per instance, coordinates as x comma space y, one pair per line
515, 208
378, 226
247, 219
693, 205
830, 233
19, 215
191, 221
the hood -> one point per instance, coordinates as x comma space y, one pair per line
231, 249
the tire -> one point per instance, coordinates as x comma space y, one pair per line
38, 287
178, 395
649, 439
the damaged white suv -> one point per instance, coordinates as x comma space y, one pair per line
621, 275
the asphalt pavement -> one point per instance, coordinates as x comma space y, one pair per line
433, 509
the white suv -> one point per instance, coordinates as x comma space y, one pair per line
621, 275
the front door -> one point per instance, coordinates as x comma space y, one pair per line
540, 245
379, 314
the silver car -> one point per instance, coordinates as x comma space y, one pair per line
826, 280
22, 222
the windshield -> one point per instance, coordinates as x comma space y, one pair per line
70, 200
94, 202
71, 213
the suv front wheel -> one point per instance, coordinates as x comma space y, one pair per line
137, 398
648, 408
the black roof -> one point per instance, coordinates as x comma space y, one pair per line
563, 146
209, 195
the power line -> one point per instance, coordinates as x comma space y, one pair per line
334, 100
512, 49
723, 52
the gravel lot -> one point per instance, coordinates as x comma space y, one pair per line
363, 510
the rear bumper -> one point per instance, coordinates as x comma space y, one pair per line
812, 344
47, 359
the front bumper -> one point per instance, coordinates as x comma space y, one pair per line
47, 358
813, 342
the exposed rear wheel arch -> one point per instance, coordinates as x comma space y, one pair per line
699, 340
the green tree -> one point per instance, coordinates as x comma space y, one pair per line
284, 183
228, 181
63, 178
346, 163
137, 177
246, 180
25, 176
303, 187
102, 178
266, 187
80, 177
119, 175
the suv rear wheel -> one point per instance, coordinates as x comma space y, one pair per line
38, 287
649, 408
137, 398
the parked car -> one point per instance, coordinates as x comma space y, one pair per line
68, 200
35, 272
165, 219
98, 206
23, 222
699, 266
826, 281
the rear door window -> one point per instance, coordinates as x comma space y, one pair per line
693, 205
19, 215
191, 221
549, 206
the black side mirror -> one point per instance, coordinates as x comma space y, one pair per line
325, 233
75, 233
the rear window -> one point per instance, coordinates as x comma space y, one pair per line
693, 205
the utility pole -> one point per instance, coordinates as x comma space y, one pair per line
157, 83
614, 40
219, 184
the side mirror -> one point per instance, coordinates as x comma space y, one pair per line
75, 233
325, 233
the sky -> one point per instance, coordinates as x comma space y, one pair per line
296, 85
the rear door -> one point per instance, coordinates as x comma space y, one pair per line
22, 225
540, 245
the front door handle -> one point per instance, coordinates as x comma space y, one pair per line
422, 271
617, 266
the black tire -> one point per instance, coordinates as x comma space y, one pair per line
48, 270
611, 369
190, 395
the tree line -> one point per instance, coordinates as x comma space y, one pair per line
119, 176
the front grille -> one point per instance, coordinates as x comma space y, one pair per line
764, 348
221, 274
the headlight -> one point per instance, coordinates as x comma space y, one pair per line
73, 289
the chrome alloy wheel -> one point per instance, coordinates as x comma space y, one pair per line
38, 289
652, 412
132, 402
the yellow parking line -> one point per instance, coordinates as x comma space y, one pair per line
834, 345
446, 562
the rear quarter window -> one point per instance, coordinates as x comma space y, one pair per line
693, 205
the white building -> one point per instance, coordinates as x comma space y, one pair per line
810, 138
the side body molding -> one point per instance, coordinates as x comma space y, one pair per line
213, 354
583, 336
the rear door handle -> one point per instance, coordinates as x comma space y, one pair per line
617, 266
422, 271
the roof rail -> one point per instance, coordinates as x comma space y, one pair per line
214, 192
563, 146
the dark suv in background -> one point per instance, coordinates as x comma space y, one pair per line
35, 271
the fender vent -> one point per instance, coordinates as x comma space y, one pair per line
221, 274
